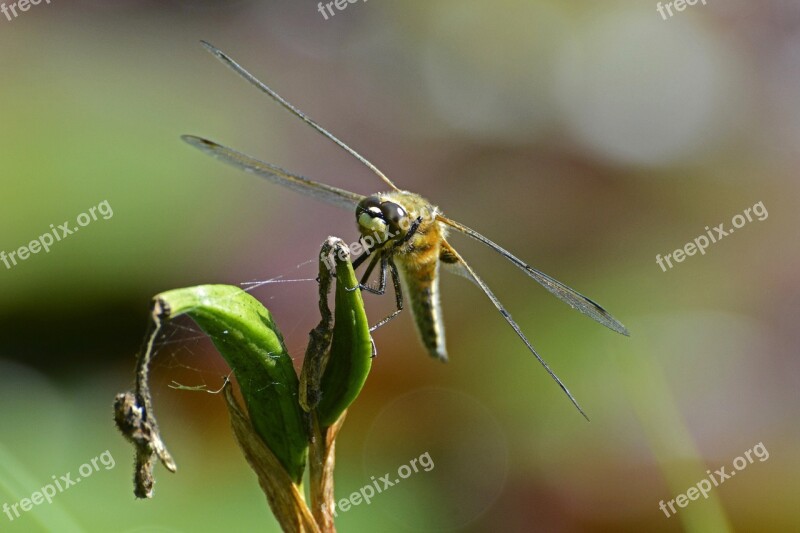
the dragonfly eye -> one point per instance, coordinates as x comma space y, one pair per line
370, 216
369, 204
393, 214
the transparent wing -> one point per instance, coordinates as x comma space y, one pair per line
573, 298
237, 68
459, 266
320, 191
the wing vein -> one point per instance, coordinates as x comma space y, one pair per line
507, 316
567, 295
277, 175
241, 71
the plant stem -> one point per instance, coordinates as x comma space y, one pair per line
322, 459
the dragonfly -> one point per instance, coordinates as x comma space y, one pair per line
408, 236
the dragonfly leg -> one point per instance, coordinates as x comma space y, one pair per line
386, 262
410, 233
381, 290
382, 282
363, 283
398, 293
361, 258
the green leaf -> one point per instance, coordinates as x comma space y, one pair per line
351, 349
246, 336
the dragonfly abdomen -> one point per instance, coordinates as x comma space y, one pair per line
420, 282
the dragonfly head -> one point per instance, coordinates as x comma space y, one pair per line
384, 219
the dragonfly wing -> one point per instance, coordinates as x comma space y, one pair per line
320, 191
571, 297
237, 68
457, 264
459, 269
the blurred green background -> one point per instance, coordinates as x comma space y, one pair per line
585, 137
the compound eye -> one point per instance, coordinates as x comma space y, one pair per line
393, 213
371, 205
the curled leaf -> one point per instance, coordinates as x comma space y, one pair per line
246, 336
351, 349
